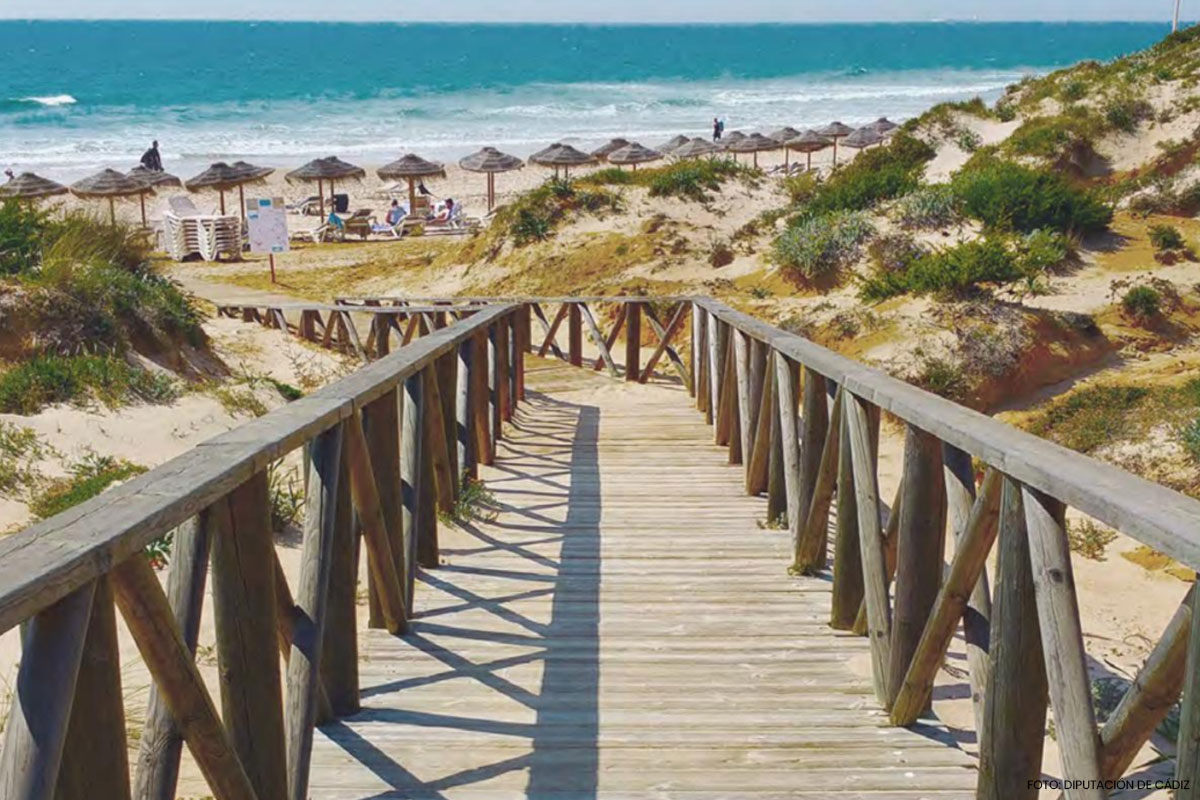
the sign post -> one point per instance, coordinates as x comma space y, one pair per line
266, 218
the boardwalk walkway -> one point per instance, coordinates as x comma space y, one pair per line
623, 629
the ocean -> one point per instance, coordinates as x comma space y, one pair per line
78, 96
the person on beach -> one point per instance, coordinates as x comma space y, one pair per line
151, 159
8, 173
716, 129
395, 213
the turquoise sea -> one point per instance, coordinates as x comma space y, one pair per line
76, 96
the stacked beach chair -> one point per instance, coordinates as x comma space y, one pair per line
188, 232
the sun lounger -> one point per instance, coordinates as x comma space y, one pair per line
359, 223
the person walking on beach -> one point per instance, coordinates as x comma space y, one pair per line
151, 159
717, 129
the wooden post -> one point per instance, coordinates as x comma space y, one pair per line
439, 449
1062, 642
495, 379
1011, 740
1187, 765
604, 344
244, 607
462, 412
148, 616
481, 424
759, 463
848, 588
960, 497
523, 323
700, 367
776, 488
158, 751
633, 340
36, 730
431, 430
412, 476
975, 542
727, 413
446, 368
814, 532
381, 426
574, 335
866, 491
785, 392
339, 645
920, 544
304, 665
741, 364
95, 756
716, 369
814, 425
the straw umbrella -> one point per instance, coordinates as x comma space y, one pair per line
695, 148
862, 138
225, 177
110, 184
410, 167
602, 152
728, 140
884, 127
668, 148
151, 177
561, 155
28, 186
489, 160
784, 134
330, 168
633, 153
755, 143
835, 131
808, 143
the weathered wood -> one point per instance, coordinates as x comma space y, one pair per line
664, 343
522, 349
1187, 763
148, 616
439, 445
920, 543
427, 522
815, 530
446, 369
745, 430
696, 328
604, 344
974, 543
664, 337
890, 539
367, 502
381, 426
1011, 740
814, 427
95, 756
633, 341
462, 412
1062, 642
503, 369
759, 463
727, 412
495, 377
339, 643
866, 491
244, 609
776, 488
481, 424
574, 335
716, 370
1148, 701
848, 600
158, 750
286, 619
304, 665
40, 711
785, 394
551, 340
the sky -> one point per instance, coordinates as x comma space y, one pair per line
607, 11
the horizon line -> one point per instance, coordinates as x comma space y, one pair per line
611, 23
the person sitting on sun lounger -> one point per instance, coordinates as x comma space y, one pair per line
446, 213
396, 213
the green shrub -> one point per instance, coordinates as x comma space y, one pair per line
1142, 303
942, 377
534, 216
880, 173
286, 494
951, 270
692, 179
1189, 437
531, 226
1042, 250
1051, 137
89, 477
816, 247
1090, 417
21, 227
20, 449
801, 188
893, 252
1007, 196
1166, 237
928, 207
32, 385
1124, 113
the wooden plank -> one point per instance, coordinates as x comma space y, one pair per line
785, 387
776, 488
304, 665
920, 543
1187, 761
664, 342
381, 426
759, 463
95, 756
814, 427
462, 412
412, 475
815, 528
716, 370
286, 619
159, 747
244, 609
36, 729
604, 344
551, 339
481, 425
741, 363
866, 492
633, 341
970, 558
148, 615
536, 308
574, 335
1010, 754
439, 445
664, 336
1062, 643
347, 325
339, 643
848, 600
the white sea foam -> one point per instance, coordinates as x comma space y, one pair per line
51, 100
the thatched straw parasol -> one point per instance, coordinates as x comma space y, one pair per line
835, 131
561, 155
633, 153
862, 138
410, 167
602, 152
695, 148
491, 161
784, 134
808, 143
151, 177
668, 148
330, 168
28, 186
110, 184
225, 177
754, 143
884, 127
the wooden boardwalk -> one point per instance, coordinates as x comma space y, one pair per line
623, 629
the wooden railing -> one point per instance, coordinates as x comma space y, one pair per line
805, 422
385, 448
